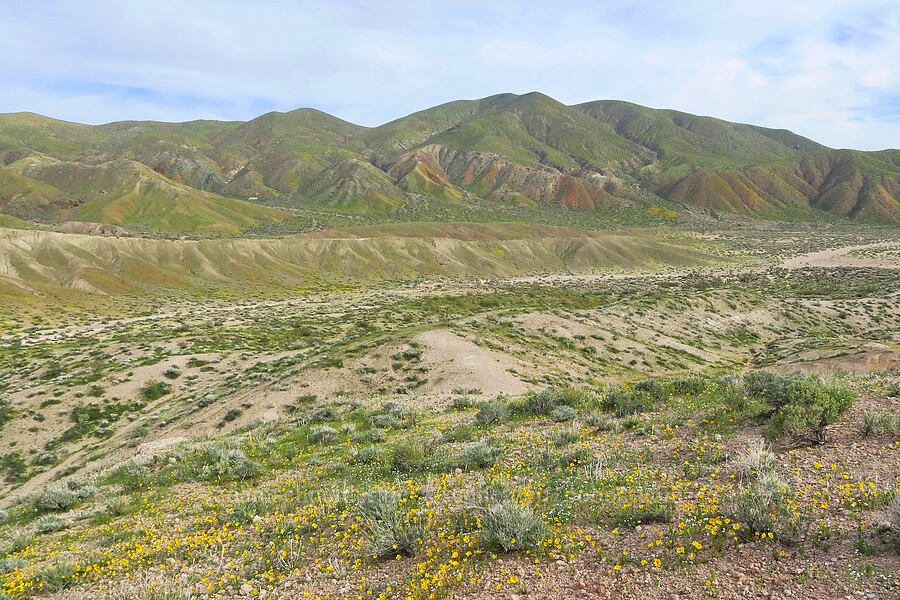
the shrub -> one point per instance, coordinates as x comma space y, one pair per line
133, 475
12, 563
651, 387
172, 372
4, 517
244, 512
755, 461
154, 390
875, 424
564, 437
322, 434
50, 523
408, 457
478, 456
58, 578
869, 424
563, 413
544, 401
461, 403
689, 386
369, 455
390, 530
633, 514
768, 386
491, 412
54, 499
761, 511
811, 406
598, 421
510, 526
626, 402
460, 433
225, 460
323, 414
894, 513
384, 422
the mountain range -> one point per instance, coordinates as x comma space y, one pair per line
527, 151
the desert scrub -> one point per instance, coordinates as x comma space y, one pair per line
809, 408
219, 461
562, 413
755, 461
491, 412
409, 457
461, 403
390, 527
57, 498
478, 456
154, 390
508, 525
50, 523
322, 414
322, 434
624, 402
133, 475
893, 513
883, 424
544, 401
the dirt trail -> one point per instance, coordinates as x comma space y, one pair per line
841, 257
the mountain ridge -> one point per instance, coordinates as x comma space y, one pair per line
502, 150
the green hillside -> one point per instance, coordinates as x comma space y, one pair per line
527, 151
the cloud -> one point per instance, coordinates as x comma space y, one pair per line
825, 69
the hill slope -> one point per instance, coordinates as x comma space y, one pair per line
525, 150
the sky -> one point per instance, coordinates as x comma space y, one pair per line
829, 70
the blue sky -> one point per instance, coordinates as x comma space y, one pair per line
826, 69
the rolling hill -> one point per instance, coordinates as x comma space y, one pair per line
505, 150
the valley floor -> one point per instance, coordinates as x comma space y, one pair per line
222, 445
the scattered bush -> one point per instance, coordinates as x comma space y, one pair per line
755, 461
564, 437
4, 517
894, 513
172, 372
369, 455
509, 526
478, 456
322, 434
323, 414
54, 500
626, 402
50, 523
491, 412
12, 563
461, 403
652, 388
58, 578
222, 461
811, 406
875, 424
390, 530
408, 457
460, 433
133, 475
154, 390
563, 413
689, 386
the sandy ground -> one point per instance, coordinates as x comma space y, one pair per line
841, 257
